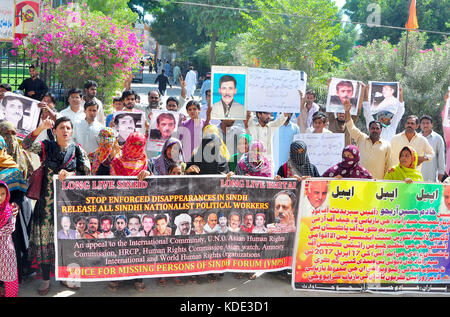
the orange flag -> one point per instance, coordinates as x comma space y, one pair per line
412, 19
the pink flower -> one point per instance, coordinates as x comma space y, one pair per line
48, 37
395, 50
13, 53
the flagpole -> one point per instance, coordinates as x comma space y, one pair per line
406, 52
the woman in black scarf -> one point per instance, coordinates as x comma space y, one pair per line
207, 158
298, 165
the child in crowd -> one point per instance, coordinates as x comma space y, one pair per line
8, 262
117, 106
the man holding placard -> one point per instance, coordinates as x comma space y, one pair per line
227, 107
375, 152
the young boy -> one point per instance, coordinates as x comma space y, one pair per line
319, 123
86, 131
190, 131
118, 106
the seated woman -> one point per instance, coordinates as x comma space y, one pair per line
208, 159
171, 153
349, 167
243, 144
406, 168
298, 164
254, 163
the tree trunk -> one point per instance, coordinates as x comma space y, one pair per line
212, 49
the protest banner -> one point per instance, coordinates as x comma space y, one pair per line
21, 111
110, 228
340, 90
383, 97
324, 149
274, 90
374, 233
7, 9
229, 92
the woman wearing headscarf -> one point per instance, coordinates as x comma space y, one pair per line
19, 155
171, 153
298, 163
208, 158
63, 158
243, 144
21, 173
406, 168
254, 163
107, 138
349, 167
131, 161
212, 129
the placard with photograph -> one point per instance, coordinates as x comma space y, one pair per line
163, 125
274, 90
21, 111
383, 96
229, 88
126, 122
340, 90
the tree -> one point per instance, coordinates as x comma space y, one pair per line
425, 79
294, 34
118, 10
171, 25
431, 14
217, 23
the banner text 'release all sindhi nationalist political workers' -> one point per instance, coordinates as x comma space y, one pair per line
110, 228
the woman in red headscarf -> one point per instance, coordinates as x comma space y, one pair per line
130, 162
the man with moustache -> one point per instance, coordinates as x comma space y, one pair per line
106, 225
284, 213
247, 224
409, 137
227, 107
92, 228
183, 223
317, 197
375, 153
134, 224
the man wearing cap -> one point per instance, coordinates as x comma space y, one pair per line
183, 223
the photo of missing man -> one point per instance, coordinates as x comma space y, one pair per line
339, 91
126, 122
383, 96
22, 112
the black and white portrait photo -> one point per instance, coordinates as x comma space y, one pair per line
126, 122
21, 111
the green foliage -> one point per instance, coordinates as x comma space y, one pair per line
171, 26
301, 40
431, 15
117, 9
425, 78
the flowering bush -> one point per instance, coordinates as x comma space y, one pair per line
83, 46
